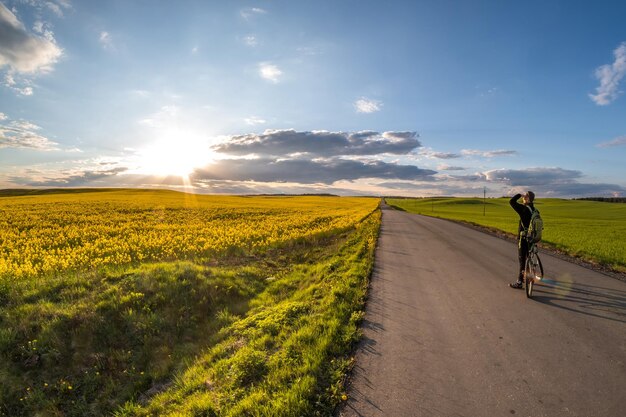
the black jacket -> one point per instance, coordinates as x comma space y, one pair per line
524, 213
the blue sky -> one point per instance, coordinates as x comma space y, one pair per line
350, 97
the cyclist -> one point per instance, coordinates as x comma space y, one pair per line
525, 212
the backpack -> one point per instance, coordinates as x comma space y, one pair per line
535, 228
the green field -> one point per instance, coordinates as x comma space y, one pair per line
591, 230
222, 306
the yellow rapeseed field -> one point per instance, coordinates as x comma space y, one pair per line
45, 234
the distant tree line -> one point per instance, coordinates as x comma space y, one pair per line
604, 199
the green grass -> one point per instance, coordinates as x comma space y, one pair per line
591, 230
263, 334
287, 355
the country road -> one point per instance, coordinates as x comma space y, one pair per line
444, 335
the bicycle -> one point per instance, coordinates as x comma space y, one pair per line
533, 270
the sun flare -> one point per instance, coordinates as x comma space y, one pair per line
175, 153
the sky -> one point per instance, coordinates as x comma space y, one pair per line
413, 98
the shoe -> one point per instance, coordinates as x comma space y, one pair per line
518, 284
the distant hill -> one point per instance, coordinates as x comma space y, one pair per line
18, 192
605, 199
293, 195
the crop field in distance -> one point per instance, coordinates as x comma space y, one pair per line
141, 302
591, 230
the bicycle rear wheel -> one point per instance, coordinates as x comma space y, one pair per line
529, 274
540, 267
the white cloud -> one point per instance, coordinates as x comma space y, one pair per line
270, 72
56, 9
25, 125
620, 141
22, 134
551, 181
251, 40
430, 154
71, 178
250, 12
533, 176
105, 40
24, 52
38, 27
445, 167
323, 144
610, 76
9, 80
253, 121
139, 93
26, 91
162, 118
488, 154
366, 105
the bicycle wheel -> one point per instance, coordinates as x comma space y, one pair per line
540, 267
529, 274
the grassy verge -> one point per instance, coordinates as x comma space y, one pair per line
265, 334
592, 231
287, 355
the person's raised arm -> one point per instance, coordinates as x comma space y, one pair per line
519, 208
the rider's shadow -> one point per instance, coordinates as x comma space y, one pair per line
601, 302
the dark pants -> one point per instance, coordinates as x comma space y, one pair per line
522, 254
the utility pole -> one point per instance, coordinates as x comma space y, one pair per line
484, 199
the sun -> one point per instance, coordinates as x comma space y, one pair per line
174, 153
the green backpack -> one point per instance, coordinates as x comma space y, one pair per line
535, 228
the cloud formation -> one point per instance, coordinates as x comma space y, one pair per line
320, 143
429, 153
250, 40
619, 141
488, 154
366, 105
303, 171
270, 72
445, 167
532, 176
555, 182
610, 76
25, 52
74, 179
106, 40
250, 12
312, 157
22, 134
254, 121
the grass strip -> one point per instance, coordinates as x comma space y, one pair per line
288, 356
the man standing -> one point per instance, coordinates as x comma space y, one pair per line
525, 212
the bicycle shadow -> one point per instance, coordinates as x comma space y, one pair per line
590, 300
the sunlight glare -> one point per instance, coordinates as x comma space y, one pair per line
175, 153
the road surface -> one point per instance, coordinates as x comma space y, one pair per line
444, 335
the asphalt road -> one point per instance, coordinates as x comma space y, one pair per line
444, 335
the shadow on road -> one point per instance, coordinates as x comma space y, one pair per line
605, 303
